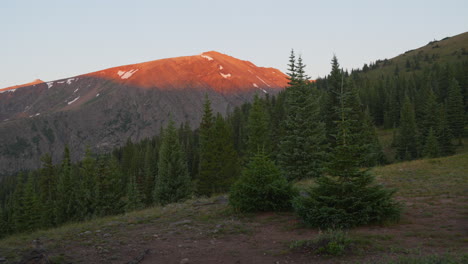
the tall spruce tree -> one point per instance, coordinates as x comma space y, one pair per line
347, 196
207, 169
258, 129
133, 196
444, 134
47, 191
431, 147
455, 110
302, 148
31, 205
65, 189
334, 84
407, 138
173, 180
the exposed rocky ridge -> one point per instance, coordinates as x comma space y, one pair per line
102, 109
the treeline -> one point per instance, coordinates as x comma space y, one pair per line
310, 130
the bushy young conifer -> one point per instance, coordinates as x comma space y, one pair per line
261, 187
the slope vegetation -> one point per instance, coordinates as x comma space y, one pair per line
207, 231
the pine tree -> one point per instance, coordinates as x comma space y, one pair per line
19, 217
261, 187
31, 205
65, 189
258, 129
301, 149
108, 187
133, 197
87, 195
407, 139
346, 196
429, 116
372, 154
207, 168
150, 170
334, 84
455, 110
292, 72
431, 148
47, 191
173, 180
444, 134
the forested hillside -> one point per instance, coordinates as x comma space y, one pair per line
312, 129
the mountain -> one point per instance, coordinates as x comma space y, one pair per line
12, 88
449, 50
102, 109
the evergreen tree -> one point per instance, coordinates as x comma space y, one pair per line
455, 110
292, 72
107, 187
65, 189
444, 134
208, 170
47, 191
31, 205
301, 149
407, 139
150, 170
19, 215
334, 85
431, 148
258, 129
173, 180
133, 197
261, 187
87, 197
372, 153
429, 116
346, 196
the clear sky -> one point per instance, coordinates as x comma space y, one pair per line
56, 39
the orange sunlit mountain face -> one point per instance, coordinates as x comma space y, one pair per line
21, 85
212, 69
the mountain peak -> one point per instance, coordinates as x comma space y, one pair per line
11, 88
208, 70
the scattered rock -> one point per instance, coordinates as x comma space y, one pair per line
35, 257
2, 259
98, 231
107, 235
222, 200
87, 232
184, 261
139, 258
182, 222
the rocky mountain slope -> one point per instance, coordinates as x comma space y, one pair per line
101, 110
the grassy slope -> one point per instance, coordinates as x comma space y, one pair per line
447, 50
434, 192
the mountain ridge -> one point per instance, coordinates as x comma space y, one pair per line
102, 109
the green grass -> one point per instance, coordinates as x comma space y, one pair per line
432, 177
444, 51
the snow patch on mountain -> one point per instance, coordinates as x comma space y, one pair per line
262, 81
74, 100
126, 74
207, 57
225, 76
49, 85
